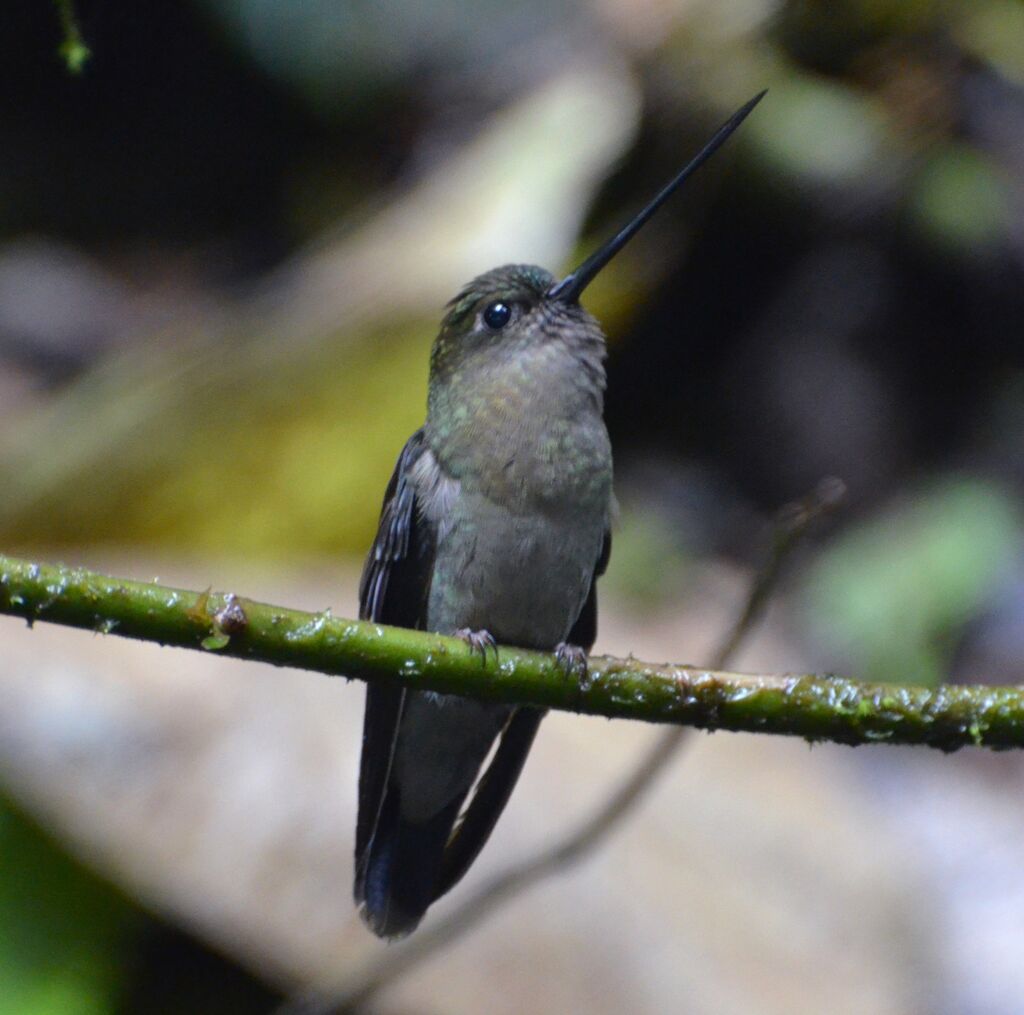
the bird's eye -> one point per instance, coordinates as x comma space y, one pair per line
497, 315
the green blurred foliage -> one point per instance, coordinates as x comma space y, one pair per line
651, 562
62, 930
995, 32
317, 449
73, 50
823, 133
962, 200
894, 591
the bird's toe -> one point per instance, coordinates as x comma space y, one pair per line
573, 660
478, 641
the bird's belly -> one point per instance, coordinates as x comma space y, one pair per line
524, 577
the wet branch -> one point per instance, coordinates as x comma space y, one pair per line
806, 705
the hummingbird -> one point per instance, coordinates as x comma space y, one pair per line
495, 527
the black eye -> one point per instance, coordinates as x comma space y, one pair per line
497, 315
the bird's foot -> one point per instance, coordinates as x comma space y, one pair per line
573, 661
478, 641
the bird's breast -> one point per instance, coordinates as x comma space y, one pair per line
523, 578
520, 530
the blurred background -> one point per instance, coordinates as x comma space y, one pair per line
224, 249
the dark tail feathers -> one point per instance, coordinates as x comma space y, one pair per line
398, 873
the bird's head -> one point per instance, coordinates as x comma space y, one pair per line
518, 306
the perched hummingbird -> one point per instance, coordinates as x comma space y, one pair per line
495, 527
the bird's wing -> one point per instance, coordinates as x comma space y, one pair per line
393, 590
584, 631
496, 784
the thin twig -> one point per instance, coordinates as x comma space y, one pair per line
383, 969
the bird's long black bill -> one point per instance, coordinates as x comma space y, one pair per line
570, 288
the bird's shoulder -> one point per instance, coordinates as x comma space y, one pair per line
396, 573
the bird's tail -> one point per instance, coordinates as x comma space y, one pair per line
398, 874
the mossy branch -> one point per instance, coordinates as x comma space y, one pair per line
810, 706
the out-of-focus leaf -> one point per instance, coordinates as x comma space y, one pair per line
995, 32
336, 53
960, 200
650, 559
62, 930
821, 132
893, 592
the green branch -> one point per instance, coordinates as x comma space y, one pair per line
813, 707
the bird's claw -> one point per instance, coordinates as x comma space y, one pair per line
573, 661
478, 641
